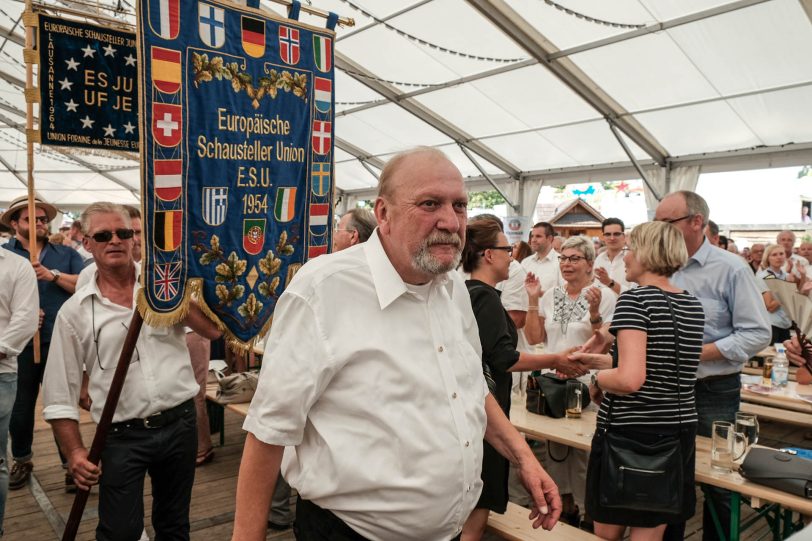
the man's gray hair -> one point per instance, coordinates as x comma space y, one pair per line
362, 221
695, 204
103, 207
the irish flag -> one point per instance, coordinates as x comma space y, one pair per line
285, 208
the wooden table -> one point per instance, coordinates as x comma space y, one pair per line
784, 398
578, 433
216, 408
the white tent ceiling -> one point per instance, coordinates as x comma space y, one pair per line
525, 86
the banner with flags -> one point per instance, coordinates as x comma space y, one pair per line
88, 87
237, 118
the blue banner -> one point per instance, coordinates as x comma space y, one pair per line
88, 85
237, 160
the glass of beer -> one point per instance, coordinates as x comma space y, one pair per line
767, 373
574, 392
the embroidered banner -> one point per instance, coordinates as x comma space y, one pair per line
237, 119
88, 85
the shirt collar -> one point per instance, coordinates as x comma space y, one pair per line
92, 288
388, 283
702, 254
552, 255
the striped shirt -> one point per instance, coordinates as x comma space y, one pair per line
656, 402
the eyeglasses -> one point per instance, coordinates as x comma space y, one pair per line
107, 236
337, 229
96, 335
571, 258
508, 249
613, 234
675, 220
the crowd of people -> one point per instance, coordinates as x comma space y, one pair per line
388, 374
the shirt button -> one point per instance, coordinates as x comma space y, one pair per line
453, 395
467, 444
440, 349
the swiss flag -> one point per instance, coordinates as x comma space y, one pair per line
166, 124
322, 136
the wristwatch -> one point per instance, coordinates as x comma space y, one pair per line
597, 320
56, 274
594, 381
611, 284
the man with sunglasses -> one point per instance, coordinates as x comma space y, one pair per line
154, 425
610, 270
736, 328
57, 268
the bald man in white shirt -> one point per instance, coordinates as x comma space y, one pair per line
383, 407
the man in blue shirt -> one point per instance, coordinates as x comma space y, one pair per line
57, 269
737, 326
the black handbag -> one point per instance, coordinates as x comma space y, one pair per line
547, 395
642, 477
779, 470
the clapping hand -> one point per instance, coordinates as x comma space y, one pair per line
593, 297
532, 286
602, 275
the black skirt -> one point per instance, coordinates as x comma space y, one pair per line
495, 469
636, 518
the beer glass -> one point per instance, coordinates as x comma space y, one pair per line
747, 424
574, 390
727, 446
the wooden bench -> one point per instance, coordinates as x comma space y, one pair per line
515, 526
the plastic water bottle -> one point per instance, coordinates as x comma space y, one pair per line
780, 374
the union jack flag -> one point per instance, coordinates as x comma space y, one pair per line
167, 280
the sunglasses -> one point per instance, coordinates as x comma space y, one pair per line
107, 236
40, 219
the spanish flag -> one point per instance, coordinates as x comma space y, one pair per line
253, 36
166, 70
168, 229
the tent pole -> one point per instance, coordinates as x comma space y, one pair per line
628, 152
33, 247
465, 151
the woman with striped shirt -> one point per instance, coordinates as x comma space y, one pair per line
644, 396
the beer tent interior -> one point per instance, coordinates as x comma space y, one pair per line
518, 93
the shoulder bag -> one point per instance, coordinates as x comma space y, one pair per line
639, 477
547, 395
776, 469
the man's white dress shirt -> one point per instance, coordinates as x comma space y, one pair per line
19, 307
376, 387
547, 269
160, 375
616, 269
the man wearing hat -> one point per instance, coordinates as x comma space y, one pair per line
57, 268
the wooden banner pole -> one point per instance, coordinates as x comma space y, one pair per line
94, 455
33, 247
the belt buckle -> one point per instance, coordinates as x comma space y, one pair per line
146, 420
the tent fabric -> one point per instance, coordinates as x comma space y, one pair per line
731, 83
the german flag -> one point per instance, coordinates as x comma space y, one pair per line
253, 36
167, 230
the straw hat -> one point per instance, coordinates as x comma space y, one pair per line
22, 203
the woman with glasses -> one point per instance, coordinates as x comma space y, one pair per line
487, 256
772, 263
566, 316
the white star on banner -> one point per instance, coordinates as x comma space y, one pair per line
86, 122
109, 131
72, 64
71, 105
109, 51
64, 84
129, 60
89, 51
129, 128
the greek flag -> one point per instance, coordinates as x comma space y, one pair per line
215, 204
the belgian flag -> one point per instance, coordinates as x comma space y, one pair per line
253, 36
168, 228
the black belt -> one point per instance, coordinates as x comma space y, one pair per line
720, 377
157, 420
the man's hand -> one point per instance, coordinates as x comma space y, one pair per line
85, 473
42, 273
546, 506
597, 361
568, 366
602, 275
794, 352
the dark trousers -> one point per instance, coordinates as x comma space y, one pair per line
316, 524
716, 400
168, 455
21, 425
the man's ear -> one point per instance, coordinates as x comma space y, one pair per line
382, 214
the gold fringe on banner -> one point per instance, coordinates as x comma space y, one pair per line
176, 316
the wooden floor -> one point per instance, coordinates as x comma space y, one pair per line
38, 512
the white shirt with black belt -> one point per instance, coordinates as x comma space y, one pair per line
89, 333
376, 387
